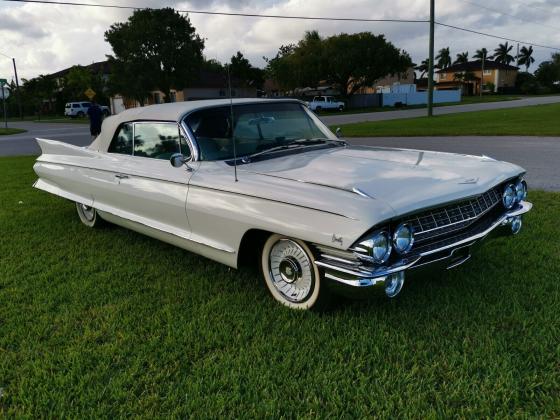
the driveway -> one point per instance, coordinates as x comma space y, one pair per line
25, 144
442, 110
538, 155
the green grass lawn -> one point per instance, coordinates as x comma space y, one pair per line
8, 131
538, 120
104, 323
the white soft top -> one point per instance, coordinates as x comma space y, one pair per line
164, 112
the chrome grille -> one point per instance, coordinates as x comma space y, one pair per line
442, 220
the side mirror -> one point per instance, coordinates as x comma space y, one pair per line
338, 132
177, 160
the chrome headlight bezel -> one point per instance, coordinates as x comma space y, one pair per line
520, 190
410, 236
509, 196
366, 249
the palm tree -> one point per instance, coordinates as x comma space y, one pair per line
462, 58
502, 55
443, 58
481, 54
423, 67
525, 57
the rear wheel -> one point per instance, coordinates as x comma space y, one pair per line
81, 114
341, 108
291, 275
88, 215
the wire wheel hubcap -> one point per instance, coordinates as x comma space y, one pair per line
291, 271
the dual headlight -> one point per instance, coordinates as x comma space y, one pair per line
514, 193
378, 247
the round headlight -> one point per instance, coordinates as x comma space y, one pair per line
403, 238
508, 198
381, 247
376, 249
520, 190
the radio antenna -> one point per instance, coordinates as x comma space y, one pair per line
232, 128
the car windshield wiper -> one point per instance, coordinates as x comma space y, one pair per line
291, 145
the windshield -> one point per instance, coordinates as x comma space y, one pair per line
257, 127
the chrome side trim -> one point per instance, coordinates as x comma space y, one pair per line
338, 268
361, 193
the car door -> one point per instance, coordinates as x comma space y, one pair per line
145, 188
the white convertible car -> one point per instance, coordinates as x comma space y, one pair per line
228, 180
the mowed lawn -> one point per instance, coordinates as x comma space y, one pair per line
7, 131
538, 120
106, 323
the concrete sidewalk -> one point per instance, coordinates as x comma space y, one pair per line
443, 110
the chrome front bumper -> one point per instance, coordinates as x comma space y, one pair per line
351, 274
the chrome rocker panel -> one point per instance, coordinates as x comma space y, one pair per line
349, 273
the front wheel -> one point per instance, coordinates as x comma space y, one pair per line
291, 275
88, 215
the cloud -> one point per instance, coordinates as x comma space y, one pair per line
48, 38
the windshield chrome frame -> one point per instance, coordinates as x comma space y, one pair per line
191, 138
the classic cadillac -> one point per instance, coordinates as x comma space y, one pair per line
228, 180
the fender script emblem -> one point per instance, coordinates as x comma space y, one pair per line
336, 239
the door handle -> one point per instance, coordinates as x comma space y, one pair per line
121, 176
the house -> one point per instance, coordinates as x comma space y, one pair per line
469, 77
101, 68
388, 81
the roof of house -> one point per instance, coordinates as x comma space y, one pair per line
477, 65
97, 67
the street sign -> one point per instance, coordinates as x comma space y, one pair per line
3, 82
5, 93
90, 93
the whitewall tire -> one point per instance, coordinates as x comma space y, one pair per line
88, 215
290, 274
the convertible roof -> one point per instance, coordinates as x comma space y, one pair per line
164, 112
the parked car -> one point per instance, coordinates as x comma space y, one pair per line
325, 103
321, 216
79, 109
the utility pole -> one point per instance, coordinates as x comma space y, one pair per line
17, 89
482, 73
2, 83
431, 61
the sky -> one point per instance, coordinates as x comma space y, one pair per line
47, 38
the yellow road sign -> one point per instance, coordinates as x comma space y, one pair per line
90, 93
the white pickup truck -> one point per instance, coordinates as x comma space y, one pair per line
325, 103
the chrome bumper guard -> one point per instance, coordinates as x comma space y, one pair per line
347, 272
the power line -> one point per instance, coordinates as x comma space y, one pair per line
497, 36
256, 15
5, 55
510, 15
206, 12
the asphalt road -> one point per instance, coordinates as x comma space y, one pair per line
442, 110
538, 155
25, 144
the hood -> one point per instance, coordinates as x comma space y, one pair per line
406, 180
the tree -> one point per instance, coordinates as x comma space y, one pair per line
154, 49
502, 54
423, 67
77, 81
443, 58
548, 73
462, 58
526, 57
241, 68
481, 54
349, 61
